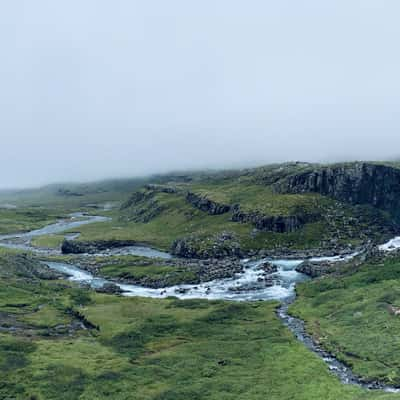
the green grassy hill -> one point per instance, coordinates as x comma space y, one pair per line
216, 214
136, 348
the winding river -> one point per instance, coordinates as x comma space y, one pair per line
245, 286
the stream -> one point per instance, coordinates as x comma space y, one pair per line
245, 286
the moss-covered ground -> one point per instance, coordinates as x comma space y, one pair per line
350, 315
48, 241
27, 219
153, 349
147, 349
145, 270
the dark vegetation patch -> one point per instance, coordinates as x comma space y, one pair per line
62, 382
14, 353
191, 304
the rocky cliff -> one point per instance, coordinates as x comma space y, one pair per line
356, 183
224, 244
207, 205
278, 224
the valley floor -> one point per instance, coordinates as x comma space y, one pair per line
59, 340
137, 348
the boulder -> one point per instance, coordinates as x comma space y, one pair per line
109, 288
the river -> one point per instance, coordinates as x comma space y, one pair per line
245, 286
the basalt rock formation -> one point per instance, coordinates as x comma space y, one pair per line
279, 223
356, 183
221, 245
207, 205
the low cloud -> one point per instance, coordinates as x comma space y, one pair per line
102, 89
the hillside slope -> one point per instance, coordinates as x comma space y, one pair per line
277, 208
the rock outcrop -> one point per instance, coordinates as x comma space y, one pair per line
207, 205
356, 183
221, 245
187, 271
109, 288
25, 266
317, 269
279, 224
75, 247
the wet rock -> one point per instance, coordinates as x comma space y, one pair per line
109, 288
181, 290
316, 269
252, 286
268, 267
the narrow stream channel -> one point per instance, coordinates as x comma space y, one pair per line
245, 286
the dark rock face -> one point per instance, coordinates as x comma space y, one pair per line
358, 183
142, 206
74, 247
136, 197
219, 246
207, 205
317, 269
109, 288
184, 248
279, 224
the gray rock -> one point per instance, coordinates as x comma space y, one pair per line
279, 224
109, 288
207, 205
355, 183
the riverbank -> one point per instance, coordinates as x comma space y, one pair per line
251, 282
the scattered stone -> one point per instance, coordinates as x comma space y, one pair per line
268, 267
394, 310
181, 290
109, 288
316, 269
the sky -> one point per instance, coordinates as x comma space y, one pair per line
95, 89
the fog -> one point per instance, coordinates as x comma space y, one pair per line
94, 89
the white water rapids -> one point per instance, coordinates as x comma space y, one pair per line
248, 285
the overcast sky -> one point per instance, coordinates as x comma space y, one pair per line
92, 88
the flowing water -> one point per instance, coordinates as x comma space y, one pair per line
248, 285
